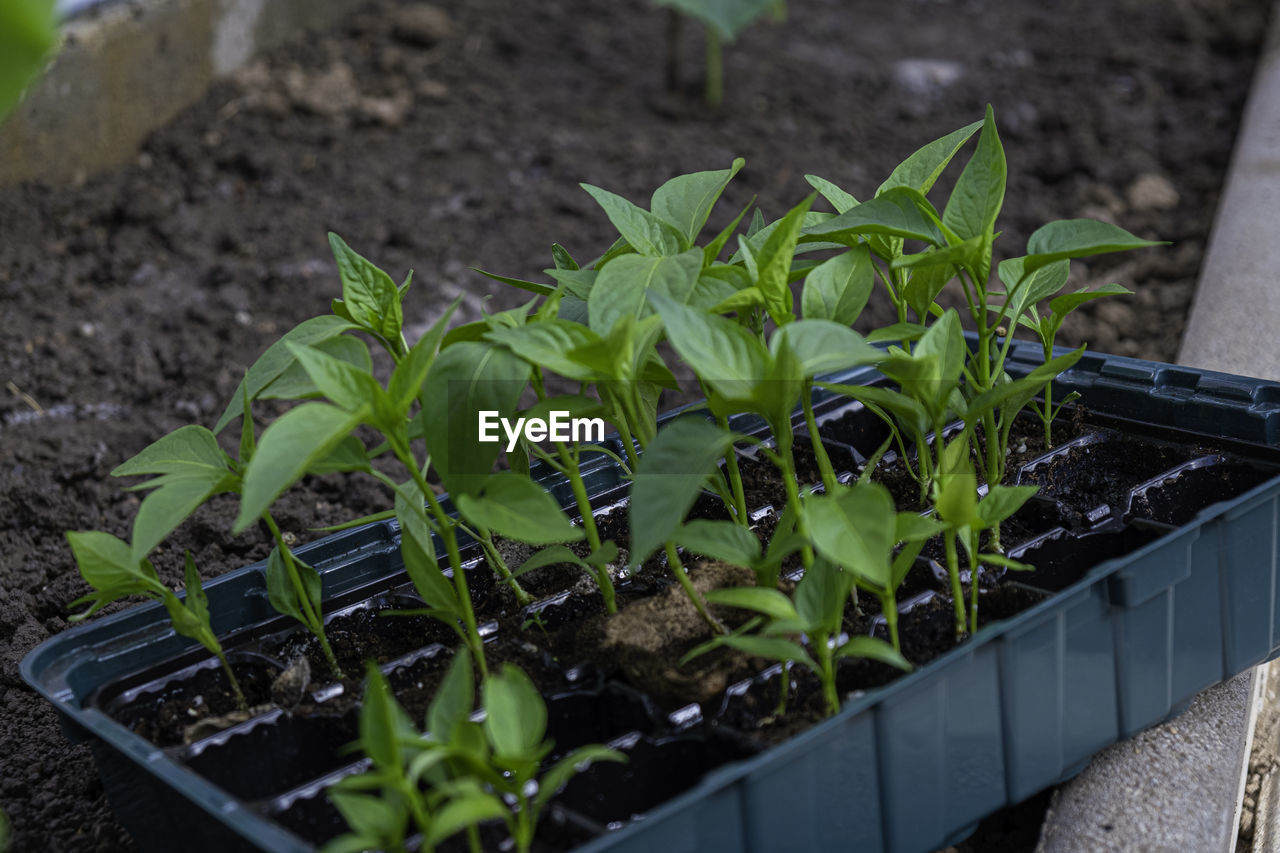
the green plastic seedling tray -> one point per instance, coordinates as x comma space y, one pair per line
906, 768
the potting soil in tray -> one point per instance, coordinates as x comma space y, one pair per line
1103, 493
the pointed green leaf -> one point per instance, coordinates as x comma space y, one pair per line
899, 212
823, 346
519, 283
518, 508
1003, 501
838, 198
411, 372
186, 448
172, 503
644, 231
726, 541
922, 169
281, 591
369, 295
515, 715
623, 283
296, 440
856, 529
343, 383
773, 263
838, 288
547, 344
686, 201
1079, 238
770, 602
454, 698
668, 479
383, 723
463, 811
979, 193
106, 563
1068, 302
873, 648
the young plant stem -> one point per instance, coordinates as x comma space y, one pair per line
953, 570
787, 458
499, 564
826, 673
889, 607
677, 569
973, 583
784, 688
601, 573
314, 621
739, 508
714, 92
450, 536
815, 439
675, 22
241, 704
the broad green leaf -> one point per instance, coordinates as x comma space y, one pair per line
369, 295
979, 193
348, 455
411, 372
723, 353
1078, 238
518, 508
186, 448
107, 563
553, 555
922, 289
726, 541
296, 440
922, 169
277, 359
196, 600
907, 411
1006, 562
838, 288
1068, 302
856, 529
669, 477
177, 496
686, 201
562, 259
643, 231
956, 486
1027, 287
912, 527
464, 380
575, 282
772, 648
1003, 501
838, 198
623, 283
904, 561
515, 715
712, 250
773, 263
873, 648
898, 212
547, 344
372, 819
296, 384
770, 602
453, 699
344, 384
896, 332
1012, 396
823, 346
284, 595
460, 812
424, 571
383, 723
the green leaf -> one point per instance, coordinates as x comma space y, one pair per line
520, 283
686, 201
518, 508
563, 260
873, 648
564, 769
28, 35
922, 289
418, 552
369, 295
296, 440
196, 600
188, 448
178, 496
770, 602
373, 819
347, 386
1003, 501
1006, 562
547, 344
411, 372
461, 812
772, 648
383, 723
1027, 287
277, 359
107, 563
979, 193
643, 231
838, 198
922, 169
623, 283
838, 288
515, 716
281, 592
726, 17
668, 479
725, 355
464, 380
712, 250
296, 384
1078, 238
552, 555
912, 527
855, 528
1068, 302
956, 486
454, 698
773, 263
898, 212
348, 455
726, 541
1012, 396
896, 332
823, 346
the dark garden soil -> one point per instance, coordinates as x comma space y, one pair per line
446, 137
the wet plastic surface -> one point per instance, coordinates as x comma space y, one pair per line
900, 768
